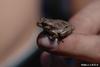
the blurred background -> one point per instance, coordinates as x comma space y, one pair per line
59, 9
56, 9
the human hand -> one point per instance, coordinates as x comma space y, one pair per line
84, 42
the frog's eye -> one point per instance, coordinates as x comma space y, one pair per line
50, 24
66, 26
47, 27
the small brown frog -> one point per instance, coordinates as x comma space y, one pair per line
55, 28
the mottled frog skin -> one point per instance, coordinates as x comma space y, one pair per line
55, 28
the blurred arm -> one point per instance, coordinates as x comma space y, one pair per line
17, 29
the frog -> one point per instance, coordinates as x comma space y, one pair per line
55, 28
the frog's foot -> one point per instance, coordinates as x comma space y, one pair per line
52, 38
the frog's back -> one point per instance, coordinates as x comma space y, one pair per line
60, 23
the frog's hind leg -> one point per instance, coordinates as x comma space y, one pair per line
60, 38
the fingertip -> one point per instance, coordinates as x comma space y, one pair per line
44, 42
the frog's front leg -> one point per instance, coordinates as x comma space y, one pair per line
53, 35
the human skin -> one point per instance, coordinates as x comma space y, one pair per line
17, 26
77, 5
84, 42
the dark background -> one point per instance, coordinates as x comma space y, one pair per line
57, 9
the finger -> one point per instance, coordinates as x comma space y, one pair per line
79, 46
44, 42
87, 21
85, 47
48, 60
